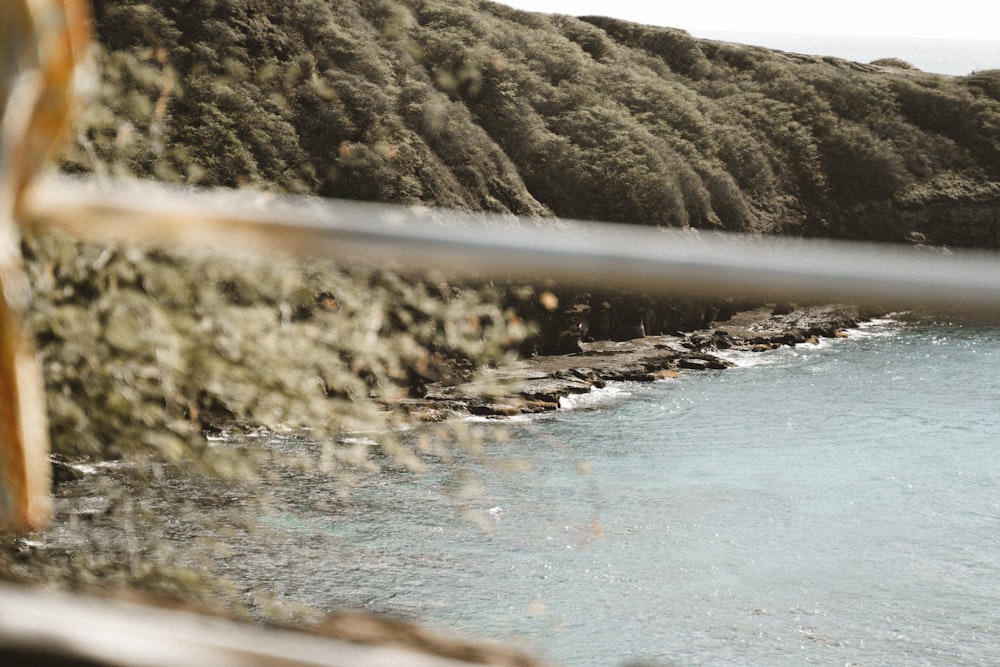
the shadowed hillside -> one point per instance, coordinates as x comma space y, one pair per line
470, 105
474, 105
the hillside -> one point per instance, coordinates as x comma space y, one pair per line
469, 105
474, 105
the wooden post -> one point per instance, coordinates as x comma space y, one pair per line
24, 446
43, 42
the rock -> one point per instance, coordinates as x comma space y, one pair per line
782, 308
537, 384
63, 471
552, 389
699, 341
702, 363
721, 340
793, 337
694, 364
510, 409
536, 407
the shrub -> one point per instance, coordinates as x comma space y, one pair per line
895, 63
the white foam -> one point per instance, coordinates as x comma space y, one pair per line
92, 468
875, 328
819, 344
492, 419
595, 397
749, 359
355, 440
877, 322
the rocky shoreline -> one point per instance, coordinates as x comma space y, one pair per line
537, 384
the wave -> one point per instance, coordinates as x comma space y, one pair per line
879, 327
875, 328
492, 419
596, 397
749, 359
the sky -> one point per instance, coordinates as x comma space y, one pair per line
960, 19
963, 39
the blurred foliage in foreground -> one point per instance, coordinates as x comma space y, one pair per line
457, 103
146, 353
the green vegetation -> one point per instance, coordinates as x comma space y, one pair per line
475, 105
454, 103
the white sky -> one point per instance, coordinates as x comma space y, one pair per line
964, 19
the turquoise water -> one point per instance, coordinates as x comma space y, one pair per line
832, 504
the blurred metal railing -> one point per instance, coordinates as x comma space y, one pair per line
594, 255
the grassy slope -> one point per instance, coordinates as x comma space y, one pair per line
473, 105
465, 104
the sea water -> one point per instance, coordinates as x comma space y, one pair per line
830, 504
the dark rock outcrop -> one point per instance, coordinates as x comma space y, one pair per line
540, 383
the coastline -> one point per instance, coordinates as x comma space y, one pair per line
537, 384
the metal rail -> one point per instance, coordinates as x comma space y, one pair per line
591, 255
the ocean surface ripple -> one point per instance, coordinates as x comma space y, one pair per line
824, 504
